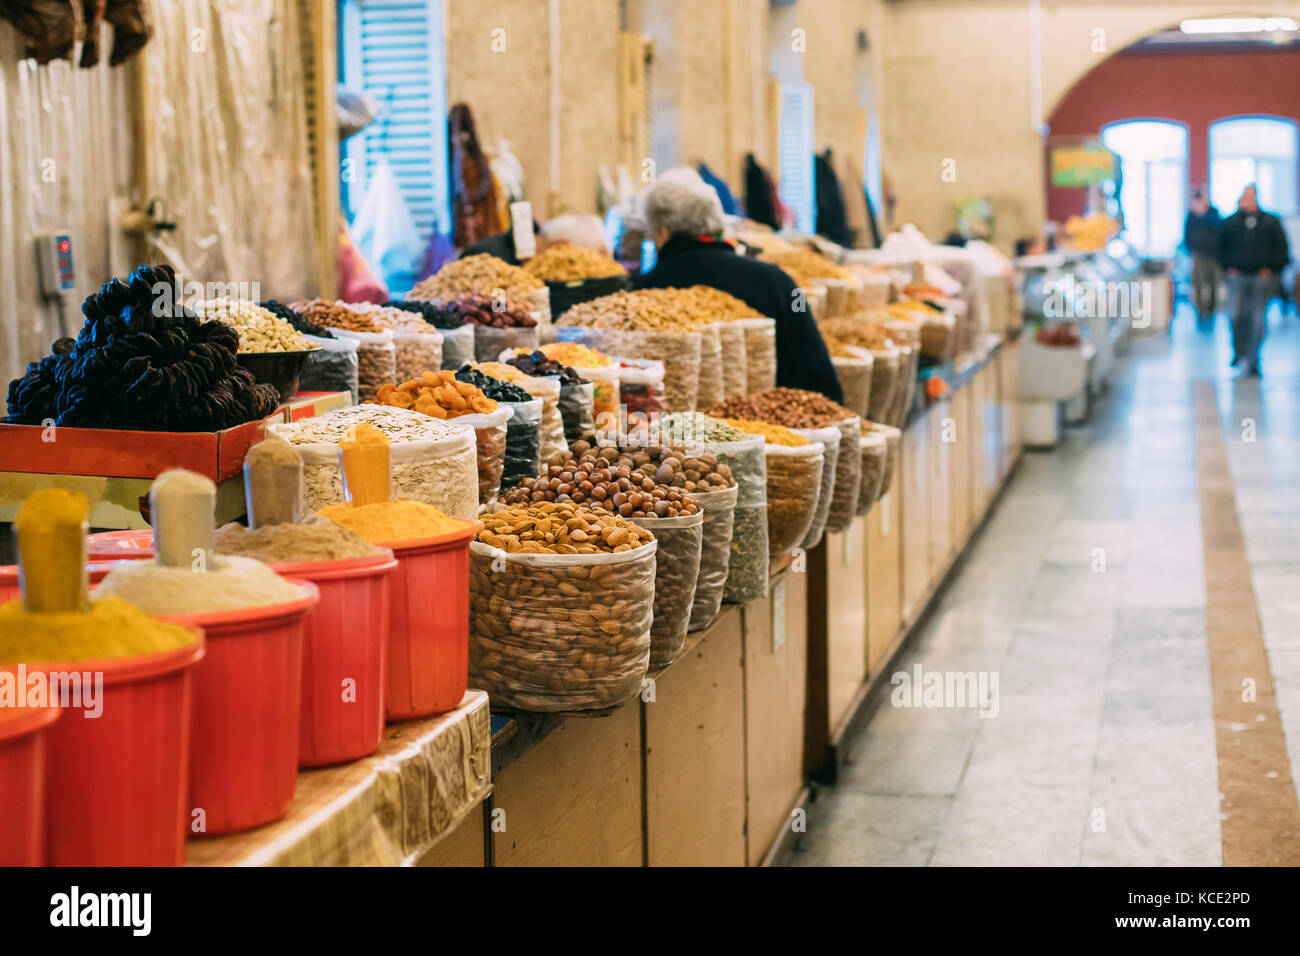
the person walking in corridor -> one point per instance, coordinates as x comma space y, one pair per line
1201, 236
1253, 250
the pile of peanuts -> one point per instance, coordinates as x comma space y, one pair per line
565, 262
619, 488
335, 315
559, 527
791, 407
852, 330
805, 266
646, 310
721, 306
260, 330
437, 394
481, 273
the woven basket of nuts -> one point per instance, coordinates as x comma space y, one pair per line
561, 605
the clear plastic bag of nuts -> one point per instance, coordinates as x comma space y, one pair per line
894, 446
711, 388
794, 477
557, 632
885, 371
875, 456
678, 351
829, 439
760, 354
854, 374
376, 360
523, 457
490, 444
490, 342
719, 509
415, 353
457, 347
677, 571
547, 388
731, 337
577, 410
848, 476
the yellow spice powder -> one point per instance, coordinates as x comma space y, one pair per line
772, 433
388, 522
112, 628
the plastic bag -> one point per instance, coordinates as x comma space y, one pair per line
848, 476
894, 445
416, 352
677, 570
490, 444
854, 373
760, 354
711, 388
441, 472
376, 360
911, 361
383, 230
555, 632
678, 351
331, 368
875, 456
641, 388
547, 388
523, 458
829, 438
719, 509
731, 337
886, 368
794, 477
576, 410
605, 397
457, 347
489, 342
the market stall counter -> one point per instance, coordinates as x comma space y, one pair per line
394, 807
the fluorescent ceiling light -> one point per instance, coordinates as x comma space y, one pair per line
1238, 25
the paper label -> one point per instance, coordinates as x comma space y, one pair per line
521, 222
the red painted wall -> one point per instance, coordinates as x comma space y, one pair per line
1191, 88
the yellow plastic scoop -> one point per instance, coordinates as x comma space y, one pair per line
184, 508
364, 456
51, 535
273, 484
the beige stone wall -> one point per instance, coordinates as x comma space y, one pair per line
956, 76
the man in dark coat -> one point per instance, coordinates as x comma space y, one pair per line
1253, 250
684, 217
1201, 236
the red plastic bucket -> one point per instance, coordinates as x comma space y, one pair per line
344, 657
9, 578
131, 544
115, 784
428, 647
23, 747
247, 703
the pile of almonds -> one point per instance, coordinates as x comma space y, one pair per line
560, 527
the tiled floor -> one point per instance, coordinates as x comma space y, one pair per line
1085, 593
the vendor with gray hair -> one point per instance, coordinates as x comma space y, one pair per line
684, 218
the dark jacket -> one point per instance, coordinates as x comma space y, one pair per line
1201, 233
801, 357
1249, 242
832, 217
758, 194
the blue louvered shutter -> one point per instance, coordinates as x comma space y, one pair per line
394, 51
796, 186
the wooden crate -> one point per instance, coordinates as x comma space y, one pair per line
915, 482
961, 497
575, 798
463, 846
776, 636
939, 454
884, 577
695, 754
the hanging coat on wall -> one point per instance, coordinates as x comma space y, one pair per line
832, 220
50, 28
476, 198
758, 194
